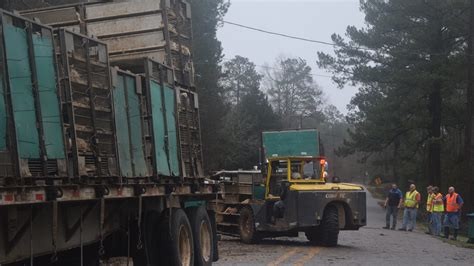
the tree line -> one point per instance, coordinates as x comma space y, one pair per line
238, 100
412, 116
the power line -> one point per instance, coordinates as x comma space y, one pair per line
290, 36
414, 52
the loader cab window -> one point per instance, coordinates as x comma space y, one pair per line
278, 174
310, 169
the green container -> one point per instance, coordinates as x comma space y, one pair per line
470, 233
127, 107
304, 142
164, 129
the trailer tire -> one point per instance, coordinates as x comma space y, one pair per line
203, 236
177, 245
247, 230
151, 235
215, 237
329, 227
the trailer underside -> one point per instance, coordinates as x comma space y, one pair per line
79, 218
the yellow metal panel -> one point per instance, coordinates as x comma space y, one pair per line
326, 186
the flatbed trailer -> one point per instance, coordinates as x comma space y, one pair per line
123, 221
100, 152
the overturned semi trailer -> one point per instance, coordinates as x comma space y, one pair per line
98, 150
136, 30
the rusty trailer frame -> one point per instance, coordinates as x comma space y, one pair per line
159, 30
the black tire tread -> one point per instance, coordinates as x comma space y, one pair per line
196, 215
169, 247
330, 226
254, 236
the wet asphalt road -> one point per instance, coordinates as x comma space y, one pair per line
371, 245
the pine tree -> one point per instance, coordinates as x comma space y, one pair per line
207, 53
292, 90
250, 114
239, 78
407, 62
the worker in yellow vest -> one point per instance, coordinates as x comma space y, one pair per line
438, 209
454, 205
411, 203
429, 209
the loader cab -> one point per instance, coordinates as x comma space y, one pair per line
282, 172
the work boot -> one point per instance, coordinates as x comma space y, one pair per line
386, 227
402, 229
446, 232
455, 234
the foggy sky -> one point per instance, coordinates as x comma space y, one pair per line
312, 19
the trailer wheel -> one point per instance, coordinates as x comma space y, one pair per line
203, 236
330, 226
248, 232
177, 245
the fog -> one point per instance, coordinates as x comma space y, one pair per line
311, 19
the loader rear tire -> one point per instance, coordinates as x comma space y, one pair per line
248, 232
329, 228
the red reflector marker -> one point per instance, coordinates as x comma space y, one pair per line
8, 197
39, 197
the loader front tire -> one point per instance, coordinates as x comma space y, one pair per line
248, 232
329, 228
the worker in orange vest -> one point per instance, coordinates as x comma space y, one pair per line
454, 204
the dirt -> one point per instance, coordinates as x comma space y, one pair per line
371, 245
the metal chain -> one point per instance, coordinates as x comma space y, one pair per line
31, 236
128, 240
54, 257
139, 242
80, 236
101, 251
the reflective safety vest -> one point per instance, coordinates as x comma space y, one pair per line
429, 202
438, 206
451, 203
410, 199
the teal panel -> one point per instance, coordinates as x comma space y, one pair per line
134, 112
3, 117
170, 103
291, 143
16, 47
159, 129
194, 203
121, 124
49, 100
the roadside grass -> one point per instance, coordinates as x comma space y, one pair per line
461, 242
378, 192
